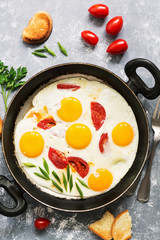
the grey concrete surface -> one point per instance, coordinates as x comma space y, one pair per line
142, 31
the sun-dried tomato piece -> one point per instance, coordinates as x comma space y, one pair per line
68, 86
46, 123
102, 142
98, 114
79, 165
57, 158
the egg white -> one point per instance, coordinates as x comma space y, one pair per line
116, 159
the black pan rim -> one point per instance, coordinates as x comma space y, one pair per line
144, 113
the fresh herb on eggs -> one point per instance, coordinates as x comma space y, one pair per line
44, 173
62, 49
45, 164
65, 182
79, 190
68, 173
70, 183
41, 176
57, 186
29, 165
10, 80
83, 183
56, 176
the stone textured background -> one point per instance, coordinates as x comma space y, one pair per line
142, 31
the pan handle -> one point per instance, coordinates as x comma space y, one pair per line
137, 84
15, 195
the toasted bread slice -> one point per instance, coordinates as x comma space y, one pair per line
38, 29
1, 123
103, 226
121, 228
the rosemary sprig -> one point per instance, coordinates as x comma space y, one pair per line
57, 186
44, 173
56, 176
29, 165
50, 51
62, 49
41, 176
65, 182
68, 173
45, 164
39, 54
83, 183
70, 183
79, 190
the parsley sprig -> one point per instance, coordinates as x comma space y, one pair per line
10, 80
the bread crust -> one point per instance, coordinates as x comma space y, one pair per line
102, 227
1, 123
117, 232
38, 29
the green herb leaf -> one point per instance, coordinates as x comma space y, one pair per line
62, 49
21, 73
71, 183
83, 183
79, 190
56, 176
40, 50
41, 176
29, 165
44, 173
50, 51
9, 80
39, 54
57, 186
45, 164
65, 182
68, 173
19, 84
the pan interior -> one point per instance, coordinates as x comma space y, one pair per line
55, 74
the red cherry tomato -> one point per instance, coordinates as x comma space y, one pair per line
98, 115
102, 142
99, 10
90, 37
117, 47
68, 86
114, 26
46, 123
79, 165
57, 158
41, 223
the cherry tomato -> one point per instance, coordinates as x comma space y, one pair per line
114, 26
103, 141
99, 10
98, 115
57, 158
41, 223
90, 37
117, 47
79, 165
46, 123
68, 86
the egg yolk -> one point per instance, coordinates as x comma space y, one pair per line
101, 180
122, 134
31, 144
78, 136
71, 109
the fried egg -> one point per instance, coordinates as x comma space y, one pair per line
57, 141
